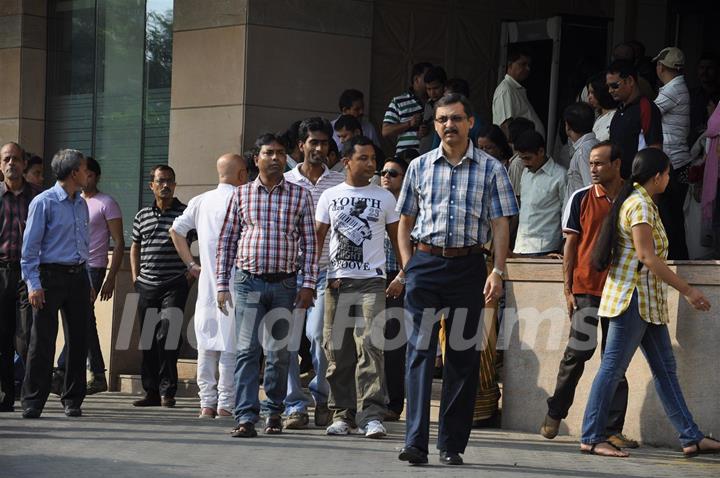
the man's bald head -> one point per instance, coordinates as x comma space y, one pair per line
232, 169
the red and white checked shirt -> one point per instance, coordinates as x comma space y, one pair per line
264, 229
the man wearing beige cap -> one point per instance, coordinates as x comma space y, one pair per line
673, 101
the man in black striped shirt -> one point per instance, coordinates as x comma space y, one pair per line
162, 280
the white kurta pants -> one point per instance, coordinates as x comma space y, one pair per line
215, 377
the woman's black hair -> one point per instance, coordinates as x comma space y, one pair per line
601, 93
496, 135
647, 163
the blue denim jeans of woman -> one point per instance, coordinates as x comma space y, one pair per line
263, 315
626, 333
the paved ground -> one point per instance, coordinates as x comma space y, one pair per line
113, 439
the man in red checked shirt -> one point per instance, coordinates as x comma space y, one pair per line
267, 222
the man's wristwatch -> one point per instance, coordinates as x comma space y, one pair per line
190, 265
400, 279
499, 272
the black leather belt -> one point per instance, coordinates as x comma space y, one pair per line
272, 278
66, 268
12, 265
452, 251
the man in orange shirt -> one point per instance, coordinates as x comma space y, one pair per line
582, 220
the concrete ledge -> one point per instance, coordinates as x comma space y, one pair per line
536, 342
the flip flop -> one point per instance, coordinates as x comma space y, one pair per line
592, 451
699, 451
244, 430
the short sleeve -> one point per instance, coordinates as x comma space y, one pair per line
136, 234
112, 209
407, 203
571, 215
391, 215
322, 211
502, 198
392, 115
185, 222
639, 213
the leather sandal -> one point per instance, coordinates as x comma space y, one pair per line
244, 430
592, 450
273, 425
699, 451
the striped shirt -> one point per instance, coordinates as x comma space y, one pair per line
264, 230
623, 276
328, 179
159, 261
13, 216
391, 262
673, 101
401, 110
453, 204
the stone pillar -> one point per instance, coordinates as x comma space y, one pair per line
23, 24
241, 67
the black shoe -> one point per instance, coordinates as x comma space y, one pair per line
450, 458
31, 413
73, 412
6, 408
150, 400
413, 455
168, 402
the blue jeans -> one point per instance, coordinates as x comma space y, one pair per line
626, 333
296, 400
263, 315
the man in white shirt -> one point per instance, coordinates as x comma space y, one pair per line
673, 101
579, 120
510, 98
357, 215
314, 136
215, 331
544, 183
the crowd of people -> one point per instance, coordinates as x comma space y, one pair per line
320, 257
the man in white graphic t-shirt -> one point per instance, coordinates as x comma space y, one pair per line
357, 215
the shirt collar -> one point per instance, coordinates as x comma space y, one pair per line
673, 82
257, 184
175, 204
225, 186
548, 167
471, 152
599, 191
297, 174
62, 194
643, 192
513, 82
26, 189
583, 139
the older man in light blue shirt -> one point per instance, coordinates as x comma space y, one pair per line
54, 265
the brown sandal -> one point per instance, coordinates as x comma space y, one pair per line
273, 425
244, 430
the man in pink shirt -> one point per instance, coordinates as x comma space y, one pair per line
105, 222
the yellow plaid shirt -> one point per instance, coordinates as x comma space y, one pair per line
623, 276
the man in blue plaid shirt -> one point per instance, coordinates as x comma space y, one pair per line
451, 198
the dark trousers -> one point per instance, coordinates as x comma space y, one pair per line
453, 284
395, 359
69, 292
580, 348
670, 204
12, 292
161, 307
95, 358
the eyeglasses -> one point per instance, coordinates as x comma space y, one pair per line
390, 172
614, 85
453, 118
